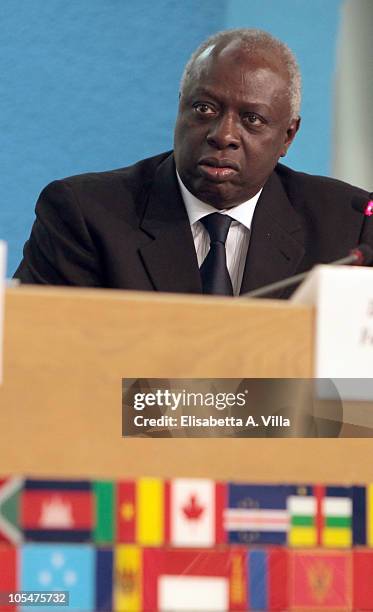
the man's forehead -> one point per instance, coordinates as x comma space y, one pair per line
248, 77
235, 52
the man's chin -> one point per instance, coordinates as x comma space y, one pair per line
218, 195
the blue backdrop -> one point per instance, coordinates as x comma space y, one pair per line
93, 84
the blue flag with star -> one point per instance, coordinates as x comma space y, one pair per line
65, 567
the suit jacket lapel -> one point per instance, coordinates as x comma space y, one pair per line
276, 242
170, 258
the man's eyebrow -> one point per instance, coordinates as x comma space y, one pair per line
204, 91
259, 106
249, 105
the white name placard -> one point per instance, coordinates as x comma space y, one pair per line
343, 296
2, 292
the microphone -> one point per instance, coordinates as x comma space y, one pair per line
364, 205
359, 256
361, 205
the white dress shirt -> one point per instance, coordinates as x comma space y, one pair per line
237, 242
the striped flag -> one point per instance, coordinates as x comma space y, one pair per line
303, 518
127, 586
257, 513
140, 511
57, 510
337, 514
320, 516
194, 512
268, 574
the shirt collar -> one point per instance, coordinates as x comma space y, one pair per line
196, 209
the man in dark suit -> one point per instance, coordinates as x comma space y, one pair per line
219, 214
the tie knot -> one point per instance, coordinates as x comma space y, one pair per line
217, 226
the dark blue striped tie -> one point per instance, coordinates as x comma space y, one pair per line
214, 272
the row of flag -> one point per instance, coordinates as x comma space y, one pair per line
185, 513
129, 578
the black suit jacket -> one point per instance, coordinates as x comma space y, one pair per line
129, 229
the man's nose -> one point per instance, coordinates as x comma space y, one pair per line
223, 133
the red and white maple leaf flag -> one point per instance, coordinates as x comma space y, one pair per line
194, 512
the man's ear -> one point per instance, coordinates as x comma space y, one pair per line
290, 135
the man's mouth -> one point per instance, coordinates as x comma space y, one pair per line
218, 169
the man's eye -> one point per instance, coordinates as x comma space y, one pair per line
253, 119
203, 109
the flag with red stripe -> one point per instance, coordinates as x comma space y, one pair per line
141, 512
268, 578
321, 516
257, 513
194, 512
57, 510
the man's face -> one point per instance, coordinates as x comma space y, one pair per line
233, 125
